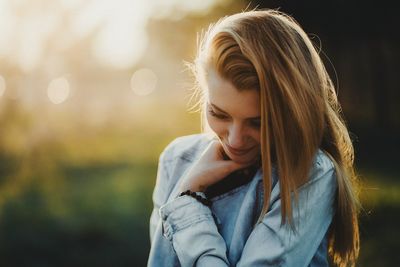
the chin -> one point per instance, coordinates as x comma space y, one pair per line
242, 159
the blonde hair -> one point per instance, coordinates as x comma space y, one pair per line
266, 50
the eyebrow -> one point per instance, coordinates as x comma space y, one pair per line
221, 110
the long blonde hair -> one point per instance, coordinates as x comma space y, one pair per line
266, 50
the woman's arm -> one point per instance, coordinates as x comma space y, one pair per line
190, 226
158, 196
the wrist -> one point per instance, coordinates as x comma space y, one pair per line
200, 196
192, 187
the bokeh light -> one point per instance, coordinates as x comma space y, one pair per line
58, 90
144, 81
118, 43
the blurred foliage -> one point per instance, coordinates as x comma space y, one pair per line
78, 197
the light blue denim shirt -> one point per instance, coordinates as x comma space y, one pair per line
184, 232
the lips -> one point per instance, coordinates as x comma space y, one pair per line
238, 152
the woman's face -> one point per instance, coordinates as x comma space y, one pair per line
235, 118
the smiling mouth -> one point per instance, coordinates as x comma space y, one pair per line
236, 151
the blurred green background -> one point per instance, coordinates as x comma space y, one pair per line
92, 91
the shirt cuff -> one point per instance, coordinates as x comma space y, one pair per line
182, 212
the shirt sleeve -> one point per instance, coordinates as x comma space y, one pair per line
159, 195
191, 228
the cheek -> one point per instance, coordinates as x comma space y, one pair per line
257, 136
216, 125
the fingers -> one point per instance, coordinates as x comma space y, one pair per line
233, 166
218, 150
221, 152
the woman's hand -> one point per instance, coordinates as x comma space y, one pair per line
209, 169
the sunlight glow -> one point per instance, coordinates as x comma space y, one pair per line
7, 20
2, 86
121, 40
31, 31
144, 82
58, 90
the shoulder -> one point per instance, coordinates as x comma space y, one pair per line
186, 147
322, 170
323, 161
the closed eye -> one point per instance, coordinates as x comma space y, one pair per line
219, 116
253, 123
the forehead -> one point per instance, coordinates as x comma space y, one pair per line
241, 104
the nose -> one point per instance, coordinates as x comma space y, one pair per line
237, 136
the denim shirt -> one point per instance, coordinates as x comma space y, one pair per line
185, 232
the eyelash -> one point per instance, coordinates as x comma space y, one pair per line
212, 113
223, 117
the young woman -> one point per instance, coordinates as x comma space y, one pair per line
270, 180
